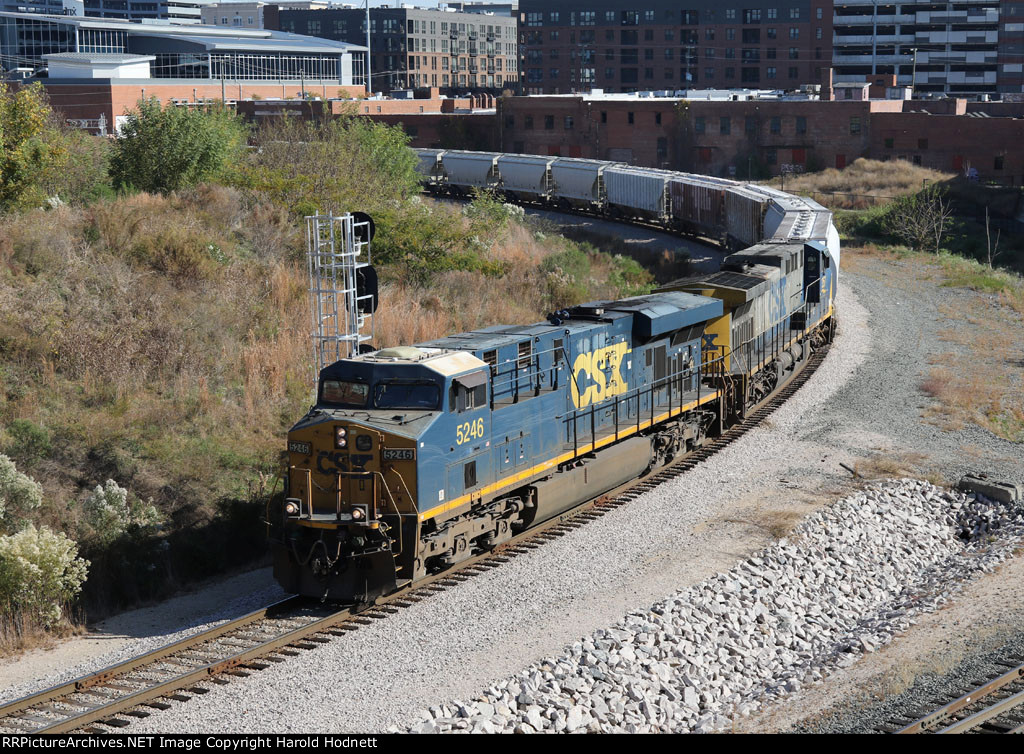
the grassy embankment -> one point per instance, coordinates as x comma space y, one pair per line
979, 380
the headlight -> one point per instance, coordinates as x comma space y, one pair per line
291, 508
340, 439
358, 514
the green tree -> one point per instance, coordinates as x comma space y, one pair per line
337, 165
164, 149
30, 147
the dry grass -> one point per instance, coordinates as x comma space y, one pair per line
887, 465
864, 183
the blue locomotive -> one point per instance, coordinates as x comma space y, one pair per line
417, 457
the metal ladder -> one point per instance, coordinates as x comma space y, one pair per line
337, 247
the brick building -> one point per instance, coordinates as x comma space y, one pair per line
577, 45
418, 47
717, 137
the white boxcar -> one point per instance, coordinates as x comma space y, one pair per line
429, 163
578, 179
470, 169
638, 191
526, 174
744, 215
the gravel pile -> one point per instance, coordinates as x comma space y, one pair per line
850, 577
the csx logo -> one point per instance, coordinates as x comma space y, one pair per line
596, 375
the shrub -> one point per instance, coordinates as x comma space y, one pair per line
919, 220
19, 495
163, 149
110, 514
40, 573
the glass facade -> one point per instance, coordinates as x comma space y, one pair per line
24, 40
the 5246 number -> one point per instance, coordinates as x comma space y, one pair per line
473, 430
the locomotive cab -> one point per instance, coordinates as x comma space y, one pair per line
348, 527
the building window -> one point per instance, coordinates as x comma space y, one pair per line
568, 123
770, 33
775, 125
724, 125
549, 122
730, 14
770, 72
855, 125
794, 72
801, 124
771, 156
794, 32
528, 122
730, 34
604, 116
794, 13
794, 53
698, 124
750, 124
773, 13
657, 119
997, 163
630, 118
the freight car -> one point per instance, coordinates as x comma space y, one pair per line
732, 213
415, 458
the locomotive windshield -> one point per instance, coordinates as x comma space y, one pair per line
422, 395
342, 393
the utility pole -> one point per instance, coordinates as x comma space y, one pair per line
369, 84
913, 74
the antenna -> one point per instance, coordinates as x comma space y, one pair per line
342, 286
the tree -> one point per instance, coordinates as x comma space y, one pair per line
164, 149
30, 147
919, 220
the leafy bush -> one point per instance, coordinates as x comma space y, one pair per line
110, 514
918, 220
19, 495
40, 573
163, 149
30, 441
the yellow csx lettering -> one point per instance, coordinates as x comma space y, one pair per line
595, 365
467, 431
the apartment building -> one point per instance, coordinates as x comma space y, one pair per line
578, 45
248, 14
944, 47
419, 47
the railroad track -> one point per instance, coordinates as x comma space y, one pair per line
995, 705
109, 699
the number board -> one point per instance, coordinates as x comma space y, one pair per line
299, 447
399, 454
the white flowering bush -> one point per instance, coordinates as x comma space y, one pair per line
110, 514
19, 496
40, 572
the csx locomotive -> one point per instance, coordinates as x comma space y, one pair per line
417, 457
